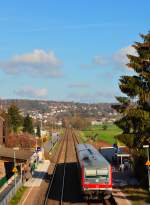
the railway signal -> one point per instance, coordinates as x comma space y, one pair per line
15, 170
148, 163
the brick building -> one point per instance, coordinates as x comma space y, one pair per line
1, 130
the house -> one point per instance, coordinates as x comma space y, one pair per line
1, 130
22, 157
96, 122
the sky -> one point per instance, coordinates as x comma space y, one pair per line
68, 50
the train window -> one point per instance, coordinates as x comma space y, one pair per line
102, 172
93, 173
89, 173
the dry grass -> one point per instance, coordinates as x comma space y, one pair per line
137, 196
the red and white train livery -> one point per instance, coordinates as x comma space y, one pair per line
95, 172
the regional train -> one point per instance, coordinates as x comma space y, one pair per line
95, 172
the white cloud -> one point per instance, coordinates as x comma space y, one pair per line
92, 25
99, 96
80, 97
32, 92
99, 60
79, 85
38, 63
107, 94
120, 58
86, 66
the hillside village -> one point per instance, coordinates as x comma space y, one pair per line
54, 112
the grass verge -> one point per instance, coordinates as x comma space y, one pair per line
107, 135
15, 200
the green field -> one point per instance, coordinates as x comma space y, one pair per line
101, 134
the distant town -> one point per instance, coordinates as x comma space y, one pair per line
54, 112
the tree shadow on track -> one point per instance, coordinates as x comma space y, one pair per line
72, 191
72, 185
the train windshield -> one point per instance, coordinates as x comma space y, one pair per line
90, 173
96, 176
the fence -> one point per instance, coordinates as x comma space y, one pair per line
3, 181
10, 191
49, 145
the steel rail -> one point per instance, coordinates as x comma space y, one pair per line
64, 172
106, 202
110, 201
75, 137
54, 171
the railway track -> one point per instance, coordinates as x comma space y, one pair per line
64, 174
56, 196
62, 184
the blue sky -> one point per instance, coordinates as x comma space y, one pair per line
72, 50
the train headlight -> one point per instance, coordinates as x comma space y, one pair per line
97, 180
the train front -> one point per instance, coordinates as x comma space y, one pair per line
97, 182
96, 175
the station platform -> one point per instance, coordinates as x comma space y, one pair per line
34, 184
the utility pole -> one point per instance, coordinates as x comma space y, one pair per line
15, 167
21, 172
36, 151
15, 170
41, 130
147, 148
42, 136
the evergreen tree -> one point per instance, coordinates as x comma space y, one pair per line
135, 106
14, 118
38, 131
28, 124
4, 115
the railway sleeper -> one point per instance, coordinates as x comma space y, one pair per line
97, 195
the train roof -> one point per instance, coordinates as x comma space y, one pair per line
90, 156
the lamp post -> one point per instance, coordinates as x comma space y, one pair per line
41, 127
42, 132
15, 149
36, 138
21, 172
147, 148
36, 143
